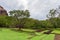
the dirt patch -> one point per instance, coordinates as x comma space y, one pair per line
39, 30
48, 32
57, 37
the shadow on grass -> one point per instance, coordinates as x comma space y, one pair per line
32, 33
44, 36
0, 29
23, 31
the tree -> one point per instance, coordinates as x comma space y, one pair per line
20, 15
29, 23
7, 21
54, 17
32, 23
52, 13
11, 21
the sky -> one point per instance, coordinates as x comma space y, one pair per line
38, 8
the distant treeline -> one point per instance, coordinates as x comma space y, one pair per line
21, 19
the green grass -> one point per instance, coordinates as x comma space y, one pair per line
57, 31
44, 37
7, 34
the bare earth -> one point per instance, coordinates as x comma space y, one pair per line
57, 37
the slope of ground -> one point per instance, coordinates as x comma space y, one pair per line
7, 34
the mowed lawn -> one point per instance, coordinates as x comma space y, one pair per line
7, 34
57, 31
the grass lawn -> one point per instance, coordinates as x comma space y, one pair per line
7, 34
57, 31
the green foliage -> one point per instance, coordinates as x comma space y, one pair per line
54, 17
55, 22
46, 24
29, 23
52, 13
20, 19
20, 13
7, 21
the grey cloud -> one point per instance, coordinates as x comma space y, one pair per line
38, 8
41, 8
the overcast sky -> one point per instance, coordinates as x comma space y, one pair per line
38, 8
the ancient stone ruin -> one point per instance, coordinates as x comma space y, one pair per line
3, 11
